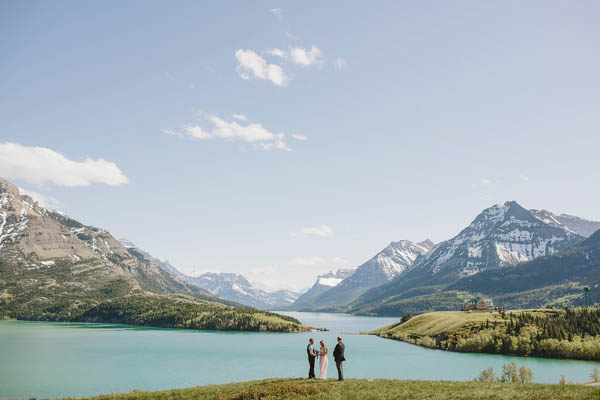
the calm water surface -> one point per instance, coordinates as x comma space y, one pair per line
47, 359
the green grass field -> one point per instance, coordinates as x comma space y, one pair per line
275, 389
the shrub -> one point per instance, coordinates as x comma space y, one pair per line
509, 373
525, 375
487, 375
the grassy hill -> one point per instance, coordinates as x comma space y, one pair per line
554, 333
360, 389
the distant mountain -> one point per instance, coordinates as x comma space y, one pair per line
558, 279
235, 287
501, 235
228, 286
575, 224
323, 284
382, 268
53, 267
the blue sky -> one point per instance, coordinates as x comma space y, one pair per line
415, 115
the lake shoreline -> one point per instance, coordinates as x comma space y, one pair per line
80, 360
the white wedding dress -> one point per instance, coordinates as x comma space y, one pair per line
323, 363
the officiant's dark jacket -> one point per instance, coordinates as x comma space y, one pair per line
338, 352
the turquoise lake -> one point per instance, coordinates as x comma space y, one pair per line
48, 359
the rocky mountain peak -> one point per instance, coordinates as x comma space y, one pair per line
503, 234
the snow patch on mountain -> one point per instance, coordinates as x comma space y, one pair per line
501, 235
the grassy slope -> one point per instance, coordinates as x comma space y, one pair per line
433, 324
363, 390
487, 332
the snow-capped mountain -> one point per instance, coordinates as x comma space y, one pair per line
500, 236
228, 286
382, 268
323, 283
235, 287
575, 224
503, 234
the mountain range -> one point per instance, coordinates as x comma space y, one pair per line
390, 262
408, 277
53, 267
228, 286
502, 236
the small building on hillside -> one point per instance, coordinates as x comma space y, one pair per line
479, 304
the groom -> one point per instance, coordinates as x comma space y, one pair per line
338, 355
310, 350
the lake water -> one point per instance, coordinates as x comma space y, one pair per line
47, 359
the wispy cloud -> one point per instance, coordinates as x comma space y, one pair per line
278, 12
485, 181
252, 133
340, 63
290, 35
321, 231
299, 136
48, 202
299, 55
251, 65
240, 117
37, 165
524, 178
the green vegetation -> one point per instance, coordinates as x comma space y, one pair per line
303, 389
510, 373
179, 311
77, 291
554, 333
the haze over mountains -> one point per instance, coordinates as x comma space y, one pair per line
228, 286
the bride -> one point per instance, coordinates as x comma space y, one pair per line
323, 360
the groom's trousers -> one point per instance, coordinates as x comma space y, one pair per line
340, 369
311, 370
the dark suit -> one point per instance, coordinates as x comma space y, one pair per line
338, 356
310, 351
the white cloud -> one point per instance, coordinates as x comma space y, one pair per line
322, 231
299, 136
252, 133
340, 63
240, 117
277, 53
251, 65
37, 165
278, 12
485, 181
301, 56
524, 178
48, 202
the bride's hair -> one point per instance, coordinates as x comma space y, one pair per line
323, 344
